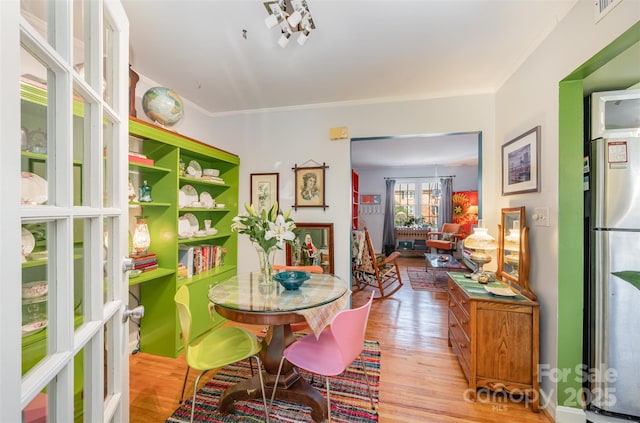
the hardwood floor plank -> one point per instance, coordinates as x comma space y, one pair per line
421, 380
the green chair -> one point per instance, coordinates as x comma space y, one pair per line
217, 348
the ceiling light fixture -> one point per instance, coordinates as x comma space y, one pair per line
292, 16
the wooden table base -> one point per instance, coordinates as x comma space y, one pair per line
291, 386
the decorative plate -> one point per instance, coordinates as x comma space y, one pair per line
184, 228
194, 170
190, 195
182, 199
34, 189
34, 327
34, 289
207, 200
28, 242
502, 292
193, 222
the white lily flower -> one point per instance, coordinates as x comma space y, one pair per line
280, 230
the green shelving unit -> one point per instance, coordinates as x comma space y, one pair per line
160, 328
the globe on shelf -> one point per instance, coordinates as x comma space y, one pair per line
163, 106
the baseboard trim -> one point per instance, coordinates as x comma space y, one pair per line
570, 415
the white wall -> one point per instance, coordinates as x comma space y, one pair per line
371, 181
278, 140
530, 98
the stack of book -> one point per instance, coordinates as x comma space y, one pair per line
145, 261
194, 259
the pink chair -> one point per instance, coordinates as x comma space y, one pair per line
332, 353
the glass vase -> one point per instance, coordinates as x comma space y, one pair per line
266, 260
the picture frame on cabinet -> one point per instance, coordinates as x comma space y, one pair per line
264, 190
521, 163
313, 246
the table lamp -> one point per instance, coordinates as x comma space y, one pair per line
141, 237
481, 242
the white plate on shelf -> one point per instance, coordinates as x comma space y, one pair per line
184, 228
188, 197
502, 292
34, 327
194, 170
33, 189
28, 242
193, 222
34, 289
207, 200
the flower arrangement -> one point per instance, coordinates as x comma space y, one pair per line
268, 230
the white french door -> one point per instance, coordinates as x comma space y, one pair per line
63, 211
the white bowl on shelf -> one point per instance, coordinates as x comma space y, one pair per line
211, 172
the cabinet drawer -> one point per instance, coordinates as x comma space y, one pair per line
462, 318
456, 294
461, 346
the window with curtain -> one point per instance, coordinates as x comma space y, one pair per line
416, 204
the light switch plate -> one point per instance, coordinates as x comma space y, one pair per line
541, 216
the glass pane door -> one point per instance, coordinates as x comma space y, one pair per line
71, 176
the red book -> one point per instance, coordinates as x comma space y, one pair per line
141, 160
145, 265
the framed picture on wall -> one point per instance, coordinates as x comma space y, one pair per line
264, 190
310, 187
521, 163
373, 199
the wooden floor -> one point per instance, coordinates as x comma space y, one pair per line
421, 380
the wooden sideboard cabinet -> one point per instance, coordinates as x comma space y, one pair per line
495, 338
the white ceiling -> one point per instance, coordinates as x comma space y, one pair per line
361, 51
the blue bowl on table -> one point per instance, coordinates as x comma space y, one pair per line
291, 279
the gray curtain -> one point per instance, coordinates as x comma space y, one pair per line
388, 230
446, 202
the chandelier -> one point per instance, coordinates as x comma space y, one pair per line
292, 16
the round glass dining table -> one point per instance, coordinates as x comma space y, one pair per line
245, 298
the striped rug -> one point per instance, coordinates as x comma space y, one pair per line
349, 398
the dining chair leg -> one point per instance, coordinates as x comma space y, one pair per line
275, 384
366, 378
195, 390
262, 388
328, 400
184, 384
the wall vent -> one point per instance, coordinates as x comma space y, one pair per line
602, 7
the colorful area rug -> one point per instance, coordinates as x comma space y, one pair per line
423, 280
349, 397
